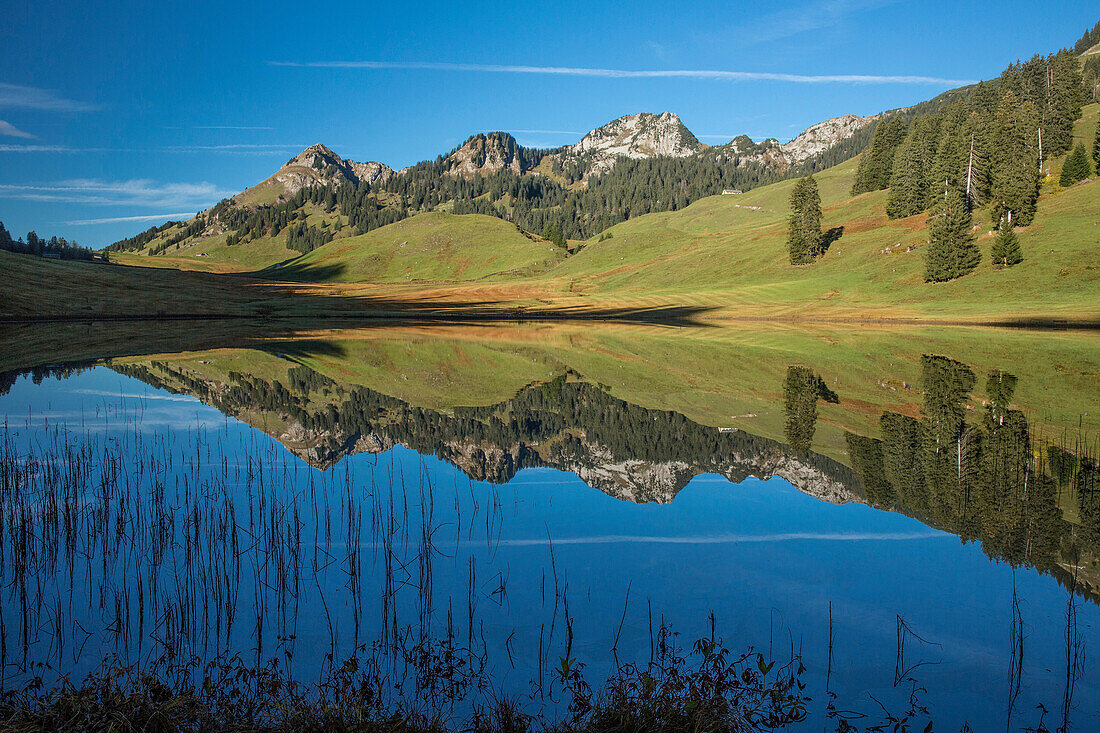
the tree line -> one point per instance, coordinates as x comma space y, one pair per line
36, 245
980, 146
988, 145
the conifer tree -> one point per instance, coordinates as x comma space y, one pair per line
1014, 163
1000, 386
804, 224
952, 151
1088, 40
877, 163
1065, 97
553, 233
951, 250
1076, 168
911, 182
1096, 148
984, 98
1005, 251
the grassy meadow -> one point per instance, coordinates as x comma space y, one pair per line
723, 258
430, 246
730, 251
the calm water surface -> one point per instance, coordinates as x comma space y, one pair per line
279, 507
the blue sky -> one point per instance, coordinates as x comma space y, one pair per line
114, 111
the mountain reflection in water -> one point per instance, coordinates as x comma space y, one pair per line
147, 528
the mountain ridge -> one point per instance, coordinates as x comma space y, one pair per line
315, 165
639, 137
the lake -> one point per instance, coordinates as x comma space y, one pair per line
911, 515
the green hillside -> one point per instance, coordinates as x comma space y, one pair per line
731, 250
213, 252
430, 246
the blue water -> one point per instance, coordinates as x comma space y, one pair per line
765, 559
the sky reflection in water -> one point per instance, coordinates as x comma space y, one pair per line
764, 558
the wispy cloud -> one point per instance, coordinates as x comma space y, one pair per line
143, 395
117, 219
234, 148
810, 16
35, 149
13, 96
137, 192
705, 74
548, 132
6, 128
730, 539
243, 149
230, 127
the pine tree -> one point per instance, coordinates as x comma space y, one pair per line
1005, 251
951, 250
553, 233
911, 183
1000, 386
1096, 148
804, 225
1088, 40
1076, 168
1014, 160
877, 163
1065, 97
952, 154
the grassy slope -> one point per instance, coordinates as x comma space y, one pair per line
725, 253
732, 250
429, 246
75, 289
211, 254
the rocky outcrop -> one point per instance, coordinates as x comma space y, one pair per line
813, 141
488, 153
648, 135
319, 166
370, 172
824, 135
629, 479
642, 135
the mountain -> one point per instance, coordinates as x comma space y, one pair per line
317, 196
317, 165
813, 141
488, 153
643, 135
824, 135
639, 454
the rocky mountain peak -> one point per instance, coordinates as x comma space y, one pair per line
813, 140
317, 165
642, 135
487, 153
316, 156
822, 136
